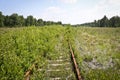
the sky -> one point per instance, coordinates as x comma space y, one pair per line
67, 11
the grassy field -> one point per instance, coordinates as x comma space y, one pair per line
97, 51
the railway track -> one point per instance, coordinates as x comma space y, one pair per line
77, 71
63, 68
60, 69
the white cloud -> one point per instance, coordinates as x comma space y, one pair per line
77, 16
53, 9
114, 2
69, 1
104, 7
109, 3
107, 7
53, 13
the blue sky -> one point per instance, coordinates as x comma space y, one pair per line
67, 11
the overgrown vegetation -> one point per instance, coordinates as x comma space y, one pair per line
97, 51
20, 48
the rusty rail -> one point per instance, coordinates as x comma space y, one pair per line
28, 73
75, 64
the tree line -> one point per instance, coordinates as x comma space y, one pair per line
104, 22
16, 20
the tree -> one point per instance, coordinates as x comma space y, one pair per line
1, 20
49, 23
104, 22
21, 21
59, 22
34, 21
95, 23
114, 21
14, 20
98, 23
29, 21
40, 22
7, 21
